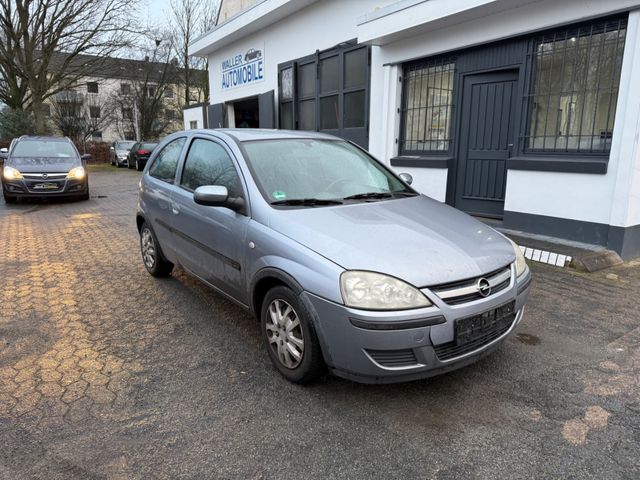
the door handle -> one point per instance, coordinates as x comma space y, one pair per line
175, 209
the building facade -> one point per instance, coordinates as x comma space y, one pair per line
109, 105
519, 110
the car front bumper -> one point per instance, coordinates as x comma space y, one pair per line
28, 187
395, 350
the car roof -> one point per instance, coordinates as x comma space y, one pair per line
250, 134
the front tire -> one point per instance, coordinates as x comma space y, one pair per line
289, 336
152, 257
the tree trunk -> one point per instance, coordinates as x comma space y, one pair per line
39, 120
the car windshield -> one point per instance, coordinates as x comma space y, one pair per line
287, 170
124, 145
44, 148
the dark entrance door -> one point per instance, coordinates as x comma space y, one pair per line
486, 137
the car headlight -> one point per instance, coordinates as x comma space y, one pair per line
76, 173
11, 173
375, 291
521, 263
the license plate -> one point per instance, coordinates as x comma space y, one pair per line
45, 186
472, 328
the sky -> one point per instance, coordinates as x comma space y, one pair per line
156, 11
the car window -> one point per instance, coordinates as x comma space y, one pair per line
165, 165
124, 145
208, 163
324, 169
43, 148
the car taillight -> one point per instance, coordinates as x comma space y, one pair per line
143, 152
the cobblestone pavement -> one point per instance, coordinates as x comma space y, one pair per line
106, 372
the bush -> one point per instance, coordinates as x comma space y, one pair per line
14, 123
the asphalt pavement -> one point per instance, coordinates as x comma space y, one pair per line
107, 372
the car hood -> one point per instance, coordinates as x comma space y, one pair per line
122, 152
417, 239
44, 164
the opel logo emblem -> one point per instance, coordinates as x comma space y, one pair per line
45, 176
484, 287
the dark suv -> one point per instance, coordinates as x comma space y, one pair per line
44, 167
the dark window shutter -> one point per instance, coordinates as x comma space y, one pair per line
216, 115
266, 110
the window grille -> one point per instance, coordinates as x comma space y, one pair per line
427, 106
574, 88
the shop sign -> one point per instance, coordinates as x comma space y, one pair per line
244, 68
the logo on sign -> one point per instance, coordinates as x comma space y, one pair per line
243, 69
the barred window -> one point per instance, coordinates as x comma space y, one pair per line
574, 90
427, 106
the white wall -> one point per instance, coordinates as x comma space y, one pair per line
625, 204
610, 199
193, 114
320, 26
449, 25
430, 181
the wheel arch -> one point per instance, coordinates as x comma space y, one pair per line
139, 221
266, 279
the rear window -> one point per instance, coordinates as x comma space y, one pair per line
148, 146
44, 148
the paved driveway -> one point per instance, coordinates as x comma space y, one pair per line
106, 372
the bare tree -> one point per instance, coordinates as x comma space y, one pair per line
43, 43
147, 108
79, 116
189, 20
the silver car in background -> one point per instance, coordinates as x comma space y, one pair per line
344, 264
119, 152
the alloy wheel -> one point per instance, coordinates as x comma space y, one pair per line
148, 248
284, 333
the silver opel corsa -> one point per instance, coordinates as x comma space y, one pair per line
345, 265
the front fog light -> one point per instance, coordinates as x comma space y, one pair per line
521, 263
375, 291
76, 173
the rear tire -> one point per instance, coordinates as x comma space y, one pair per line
138, 166
290, 338
152, 256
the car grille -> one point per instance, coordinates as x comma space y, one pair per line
464, 291
394, 358
447, 351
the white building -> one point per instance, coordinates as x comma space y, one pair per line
522, 110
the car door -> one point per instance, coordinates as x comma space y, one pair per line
158, 186
211, 240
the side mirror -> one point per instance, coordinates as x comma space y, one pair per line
217, 196
86, 157
211, 195
111, 148
406, 178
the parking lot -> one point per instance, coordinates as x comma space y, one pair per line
107, 372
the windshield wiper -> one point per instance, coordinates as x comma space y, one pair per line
405, 194
364, 196
307, 202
